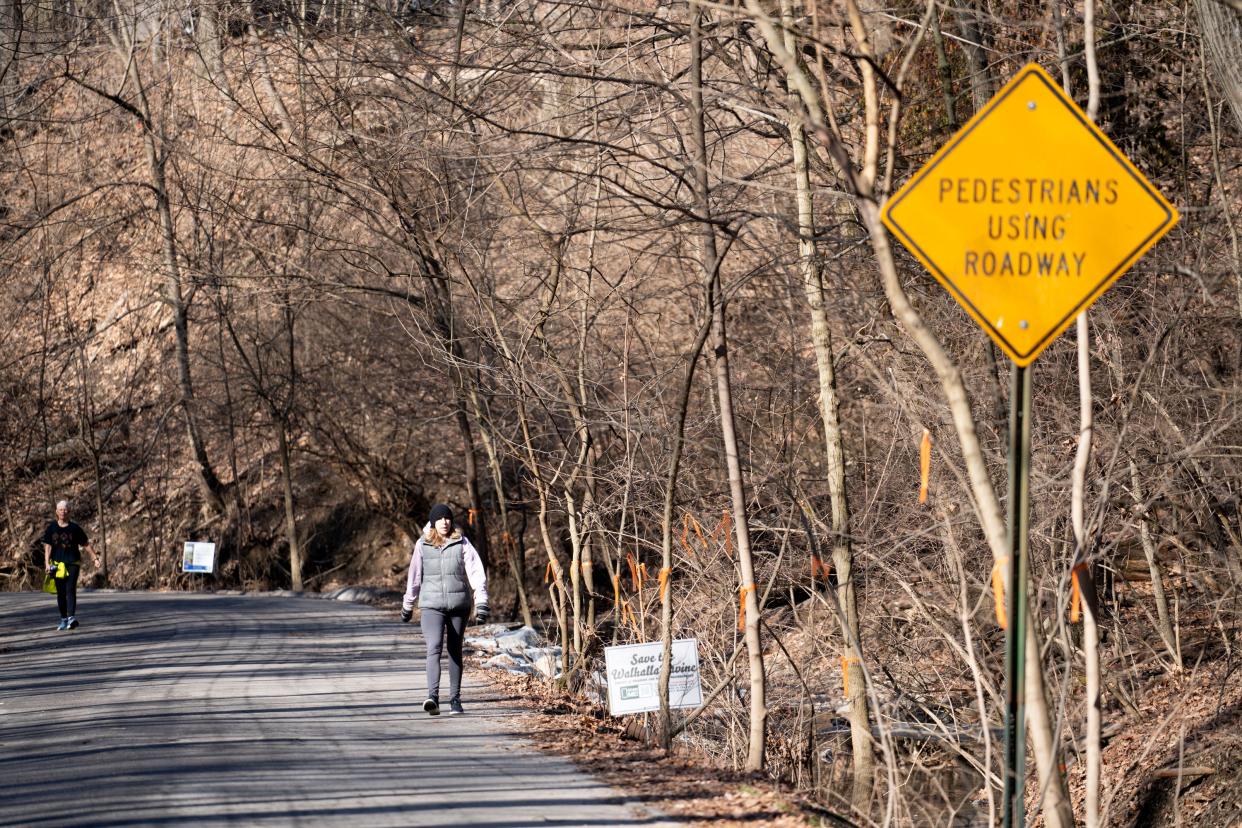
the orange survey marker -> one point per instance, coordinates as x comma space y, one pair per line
664, 573
687, 520
698, 530
471, 515
507, 542
924, 465
818, 567
998, 590
627, 615
741, 605
1076, 592
634, 576
723, 527
846, 659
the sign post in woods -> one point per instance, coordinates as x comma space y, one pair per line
198, 556
634, 676
1026, 216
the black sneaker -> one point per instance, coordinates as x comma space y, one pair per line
73, 623
432, 707
455, 708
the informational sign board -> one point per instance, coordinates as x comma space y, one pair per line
634, 677
1028, 214
198, 556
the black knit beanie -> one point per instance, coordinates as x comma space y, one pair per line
440, 511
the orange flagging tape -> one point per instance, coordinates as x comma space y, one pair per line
629, 559
688, 520
924, 465
722, 529
819, 567
664, 573
698, 530
642, 574
741, 605
1076, 592
845, 672
547, 573
627, 612
616, 590
998, 590
471, 515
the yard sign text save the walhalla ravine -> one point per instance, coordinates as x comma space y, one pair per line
1027, 215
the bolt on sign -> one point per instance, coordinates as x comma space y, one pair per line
1028, 214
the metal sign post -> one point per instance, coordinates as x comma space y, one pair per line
1015, 633
1026, 216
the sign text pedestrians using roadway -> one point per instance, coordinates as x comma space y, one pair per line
1028, 214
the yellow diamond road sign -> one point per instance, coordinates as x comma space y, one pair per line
1028, 214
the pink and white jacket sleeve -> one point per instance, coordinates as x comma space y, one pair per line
414, 581
475, 573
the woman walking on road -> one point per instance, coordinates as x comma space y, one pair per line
445, 571
63, 542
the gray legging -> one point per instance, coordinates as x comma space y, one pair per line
67, 591
433, 625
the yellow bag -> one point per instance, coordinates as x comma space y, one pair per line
49, 582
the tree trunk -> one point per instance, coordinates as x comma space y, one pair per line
210, 484
478, 526
842, 553
666, 525
557, 584
974, 42
91, 444
10, 53
291, 531
1164, 625
1080, 571
1222, 37
508, 544
207, 47
711, 266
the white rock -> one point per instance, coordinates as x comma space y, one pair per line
549, 665
518, 640
508, 663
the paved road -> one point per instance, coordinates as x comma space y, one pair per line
178, 709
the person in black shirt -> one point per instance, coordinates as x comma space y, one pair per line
63, 542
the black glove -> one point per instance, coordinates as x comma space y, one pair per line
406, 615
480, 613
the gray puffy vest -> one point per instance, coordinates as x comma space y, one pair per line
445, 587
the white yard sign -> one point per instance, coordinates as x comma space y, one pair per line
198, 556
634, 677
